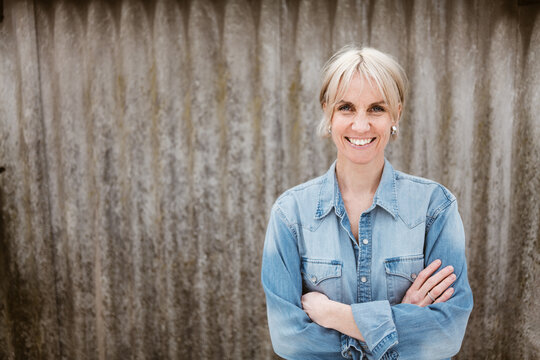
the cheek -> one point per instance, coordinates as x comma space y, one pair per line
335, 138
384, 136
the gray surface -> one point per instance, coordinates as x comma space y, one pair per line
144, 143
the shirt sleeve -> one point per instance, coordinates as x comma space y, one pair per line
432, 332
293, 334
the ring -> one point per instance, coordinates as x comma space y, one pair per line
431, 297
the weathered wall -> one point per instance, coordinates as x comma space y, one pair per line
144, 143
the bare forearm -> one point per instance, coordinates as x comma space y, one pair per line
330, 314
341, 318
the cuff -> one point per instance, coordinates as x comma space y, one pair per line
376, 324
351, 348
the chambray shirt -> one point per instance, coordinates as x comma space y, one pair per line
309, 246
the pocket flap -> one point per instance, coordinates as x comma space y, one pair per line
407, 267
317, 270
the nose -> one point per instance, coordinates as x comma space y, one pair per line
360, 123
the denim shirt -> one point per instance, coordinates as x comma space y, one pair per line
309, 246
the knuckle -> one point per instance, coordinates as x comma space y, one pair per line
422, 276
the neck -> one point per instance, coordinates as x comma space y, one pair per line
359, 179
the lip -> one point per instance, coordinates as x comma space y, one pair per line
360, 146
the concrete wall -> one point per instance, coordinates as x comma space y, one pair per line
144, 142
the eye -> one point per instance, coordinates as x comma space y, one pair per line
377, 108
345, 107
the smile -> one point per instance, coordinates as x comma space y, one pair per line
360, 142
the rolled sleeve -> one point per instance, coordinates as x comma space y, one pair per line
293, 334
375, 321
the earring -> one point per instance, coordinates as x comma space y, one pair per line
330, 129
393, 130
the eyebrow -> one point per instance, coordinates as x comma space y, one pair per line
380, 102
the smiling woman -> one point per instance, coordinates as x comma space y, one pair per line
353, 260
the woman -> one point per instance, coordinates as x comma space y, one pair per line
344, 263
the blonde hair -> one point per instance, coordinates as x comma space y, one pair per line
372, 65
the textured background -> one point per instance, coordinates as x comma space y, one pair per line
144, 142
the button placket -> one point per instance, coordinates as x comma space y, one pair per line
364, 261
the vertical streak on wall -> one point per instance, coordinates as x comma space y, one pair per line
347, 25
28, 304
209, 154
239, 122
102, 107
143, 214
268, 111
462, 71
522, 293
311, 50
491, 157
172, 90
288, 79
425, 42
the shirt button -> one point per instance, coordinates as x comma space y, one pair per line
413, 276
365, 241
363, 279
313, 279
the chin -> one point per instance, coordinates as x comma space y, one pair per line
363, 160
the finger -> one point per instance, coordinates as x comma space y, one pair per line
425, 274
442, 286
433, 294
437, 278
445, 296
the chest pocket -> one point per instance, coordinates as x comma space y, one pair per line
400, 274
323, 276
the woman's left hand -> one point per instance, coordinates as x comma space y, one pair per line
317, 307
430, 289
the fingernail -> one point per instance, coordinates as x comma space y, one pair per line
453, 276
438, 261
450, 267
451, 290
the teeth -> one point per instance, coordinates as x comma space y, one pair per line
359, 142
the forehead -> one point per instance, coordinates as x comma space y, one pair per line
360, 89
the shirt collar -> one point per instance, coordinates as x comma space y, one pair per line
330, 196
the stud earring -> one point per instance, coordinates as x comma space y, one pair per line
393, 130
330, 129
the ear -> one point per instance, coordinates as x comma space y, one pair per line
324, 111
398, 114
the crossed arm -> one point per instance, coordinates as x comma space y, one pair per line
311, 326
428, 288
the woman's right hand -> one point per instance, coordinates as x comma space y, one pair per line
430, 289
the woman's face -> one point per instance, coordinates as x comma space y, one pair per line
361, 124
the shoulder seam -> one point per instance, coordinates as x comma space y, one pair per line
283, 218
421, 180
431, 218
